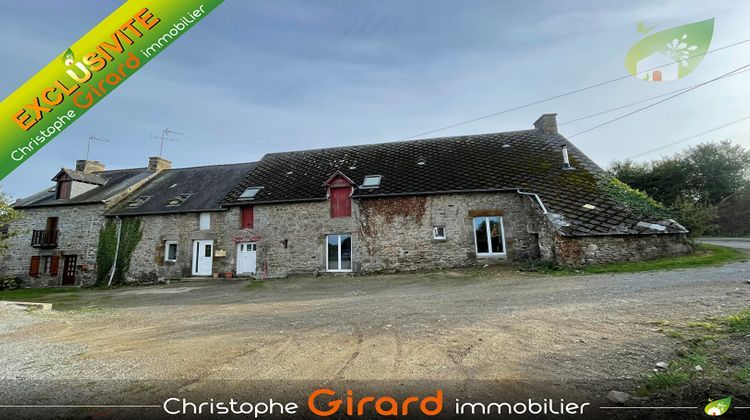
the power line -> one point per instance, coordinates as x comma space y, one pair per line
515, 108
658, 102
690, 137
585, 117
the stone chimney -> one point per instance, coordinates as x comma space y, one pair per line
89, 166
158, 163
547, 123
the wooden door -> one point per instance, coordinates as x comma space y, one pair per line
69, 270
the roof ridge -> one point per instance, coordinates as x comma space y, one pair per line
403, 141
211, 166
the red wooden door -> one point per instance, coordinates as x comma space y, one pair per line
69, 270
341, 203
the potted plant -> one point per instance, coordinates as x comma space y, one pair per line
216, 274
228, 274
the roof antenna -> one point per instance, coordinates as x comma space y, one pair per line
165, 137
93, 139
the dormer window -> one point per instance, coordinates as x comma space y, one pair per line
139, 201
249, 193
178, 200
63, 189
371, 181
340, 188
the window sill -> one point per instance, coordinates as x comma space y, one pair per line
496, 255
339, 271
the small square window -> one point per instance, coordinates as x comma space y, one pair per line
371, 181
249, 193
438, 232
170, 251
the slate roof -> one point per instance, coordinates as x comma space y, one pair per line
528, 160
92, 178
207, 186
114, 182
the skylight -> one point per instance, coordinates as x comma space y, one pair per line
249, 193
138, 201
371, 181
178, 200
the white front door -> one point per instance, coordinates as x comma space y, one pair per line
246, 257
203, 256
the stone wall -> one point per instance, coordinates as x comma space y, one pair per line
147, 261
577, 251
79, 234
390, 234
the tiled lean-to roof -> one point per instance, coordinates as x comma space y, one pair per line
183, 190
529, 160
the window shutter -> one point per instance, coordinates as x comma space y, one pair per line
247, 217
53, 265
34, 267
341, 203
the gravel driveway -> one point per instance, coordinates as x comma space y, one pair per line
490, 324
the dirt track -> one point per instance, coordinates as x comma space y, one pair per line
450, 325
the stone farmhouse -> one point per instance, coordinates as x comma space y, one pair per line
413, 205
55, 241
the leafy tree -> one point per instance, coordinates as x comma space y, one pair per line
7, 215
694, 183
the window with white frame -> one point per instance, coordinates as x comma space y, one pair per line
371, 181
489, 236
339, 252
170, 251
438, 232
204, 221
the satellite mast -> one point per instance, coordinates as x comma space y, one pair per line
93, 139
165, 137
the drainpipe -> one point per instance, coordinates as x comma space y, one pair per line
117, 250
535, 196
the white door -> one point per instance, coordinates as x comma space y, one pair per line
246, 252
203, 256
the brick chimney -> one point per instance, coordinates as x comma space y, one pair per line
89, 166
547, 123
158, 163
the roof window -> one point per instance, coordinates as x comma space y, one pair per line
178, 200
139, 201
249, 193
371, 181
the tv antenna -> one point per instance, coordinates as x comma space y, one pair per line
165, 137
93, 139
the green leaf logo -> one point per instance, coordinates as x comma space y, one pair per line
676, 52
68, 56
718, 407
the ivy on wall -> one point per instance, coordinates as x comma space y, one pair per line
388, 209
130, 234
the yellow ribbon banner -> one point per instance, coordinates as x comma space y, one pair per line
88, 70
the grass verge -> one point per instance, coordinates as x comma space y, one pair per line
34, 294
712, 360
705, 255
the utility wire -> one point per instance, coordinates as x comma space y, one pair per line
585, 117
515, 108
690, 137
659, 102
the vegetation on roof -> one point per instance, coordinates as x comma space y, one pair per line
636, 200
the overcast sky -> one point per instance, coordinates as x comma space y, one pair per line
267, 76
